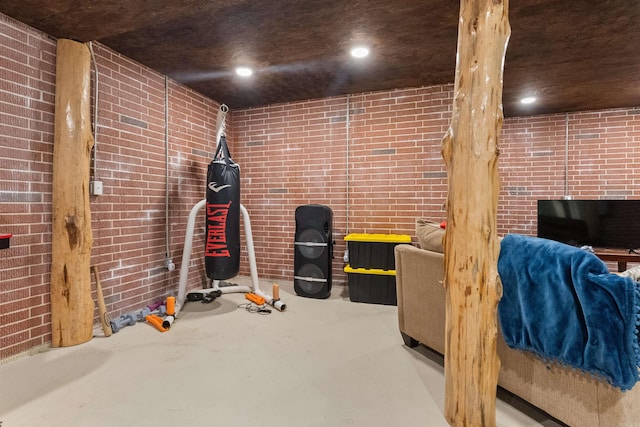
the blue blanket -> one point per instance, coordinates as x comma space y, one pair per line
561, 303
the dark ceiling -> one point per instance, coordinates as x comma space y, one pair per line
571, 54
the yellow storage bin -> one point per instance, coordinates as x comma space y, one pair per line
374, 251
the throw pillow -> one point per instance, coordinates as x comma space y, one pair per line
633, 272
430, 235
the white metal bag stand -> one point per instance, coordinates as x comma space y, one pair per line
188, 246
186, 261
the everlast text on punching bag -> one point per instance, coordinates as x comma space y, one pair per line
222, 246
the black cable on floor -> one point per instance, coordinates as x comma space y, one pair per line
254, 308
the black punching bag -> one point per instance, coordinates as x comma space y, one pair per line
222, 246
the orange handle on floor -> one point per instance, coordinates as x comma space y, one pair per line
156, 321
171, 306
254, 298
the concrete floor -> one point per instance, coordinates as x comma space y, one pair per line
320, 363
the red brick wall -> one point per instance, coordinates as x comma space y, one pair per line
378, 169
388, 150
583, 155
128, 220
27, 77
297, 153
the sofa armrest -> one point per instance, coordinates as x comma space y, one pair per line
421, 295
564, 394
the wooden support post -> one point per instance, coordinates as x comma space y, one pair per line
71, 302
470, 151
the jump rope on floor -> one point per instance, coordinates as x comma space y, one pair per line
255, 308
256, 304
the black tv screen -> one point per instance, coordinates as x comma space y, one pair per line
598, 223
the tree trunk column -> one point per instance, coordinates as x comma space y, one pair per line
470, 151
71, 302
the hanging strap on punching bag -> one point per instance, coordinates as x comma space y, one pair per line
222, 243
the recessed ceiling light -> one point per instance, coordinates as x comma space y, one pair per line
244, 71
360, 52
528, 100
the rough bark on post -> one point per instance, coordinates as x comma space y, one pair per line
71, 302
470, 151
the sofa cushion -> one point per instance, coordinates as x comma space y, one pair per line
429, 235
633, 272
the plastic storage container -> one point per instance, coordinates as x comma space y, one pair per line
373, 286
374, 251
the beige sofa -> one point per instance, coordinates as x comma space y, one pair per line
573, 398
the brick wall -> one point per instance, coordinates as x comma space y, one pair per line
378, 167
128, 220
583, 155
382, 168
27, 77
387, 149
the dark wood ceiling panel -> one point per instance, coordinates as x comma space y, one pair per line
573, 55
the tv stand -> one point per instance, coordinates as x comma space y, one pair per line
621, 256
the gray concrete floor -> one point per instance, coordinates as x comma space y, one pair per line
320, 363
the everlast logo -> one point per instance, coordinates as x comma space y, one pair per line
217, 230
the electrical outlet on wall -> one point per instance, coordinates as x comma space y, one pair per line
95, 188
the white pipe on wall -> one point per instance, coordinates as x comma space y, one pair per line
169, 265
95, 113
347, 130
566, 157
345, 257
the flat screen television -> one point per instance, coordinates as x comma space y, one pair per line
599, 223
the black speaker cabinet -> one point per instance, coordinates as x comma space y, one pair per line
313, 251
